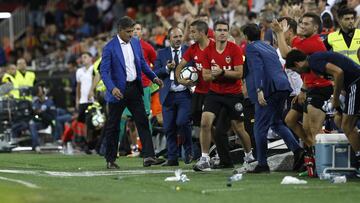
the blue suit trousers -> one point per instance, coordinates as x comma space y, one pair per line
176, 112
271, 116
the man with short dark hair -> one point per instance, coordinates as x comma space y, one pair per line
196, 54
120, 69
308, 103
25, 79
346, 75
175, 99
150, 57
294, 113
84, 76
9, 77
268, 88
346, 40
223, 69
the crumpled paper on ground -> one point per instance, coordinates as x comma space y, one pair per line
179, 177
292, 180
278, 162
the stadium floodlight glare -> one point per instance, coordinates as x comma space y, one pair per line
5, 15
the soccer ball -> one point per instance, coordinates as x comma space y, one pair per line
98, 120
189, 73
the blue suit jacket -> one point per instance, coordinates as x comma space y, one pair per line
264, 71
113, 69
160, 69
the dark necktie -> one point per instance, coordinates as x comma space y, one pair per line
176, 57
176, 60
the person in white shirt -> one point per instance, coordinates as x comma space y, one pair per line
84, 80
175, 99
120, 69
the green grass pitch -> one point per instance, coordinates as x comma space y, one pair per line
133, 183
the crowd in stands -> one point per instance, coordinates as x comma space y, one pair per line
63, 35
61, 29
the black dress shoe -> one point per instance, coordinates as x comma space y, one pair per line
188, 159
170, 163
298, 160
260, 169
222, 166
112, 165
152, 161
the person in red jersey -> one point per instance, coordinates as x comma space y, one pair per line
196, 54
316, 90
148, 51
223, 69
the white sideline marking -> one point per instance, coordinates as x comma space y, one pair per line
315, 187
27, 184
90, 173
20, 172
221, 190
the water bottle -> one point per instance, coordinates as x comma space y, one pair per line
184, 178
236, 177
338, 179
310, 166
69, 147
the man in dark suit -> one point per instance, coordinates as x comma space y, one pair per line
120, 69
175, 98
268, 87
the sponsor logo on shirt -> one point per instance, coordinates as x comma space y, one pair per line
228, 59
238, 107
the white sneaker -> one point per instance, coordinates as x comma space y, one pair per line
202, 165
134, 154
37, 149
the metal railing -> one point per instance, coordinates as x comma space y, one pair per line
14, 26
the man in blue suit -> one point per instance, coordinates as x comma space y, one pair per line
268, 87
175, 98
120, 69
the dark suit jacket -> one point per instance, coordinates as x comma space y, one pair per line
160, 69
113, 69
264, 71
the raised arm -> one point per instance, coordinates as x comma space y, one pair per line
192, 8
280, 29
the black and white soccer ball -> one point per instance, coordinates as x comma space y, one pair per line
98, 120
189, 73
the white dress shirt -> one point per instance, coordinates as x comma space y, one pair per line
129, 60
293, 77
175, 88
84, 77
